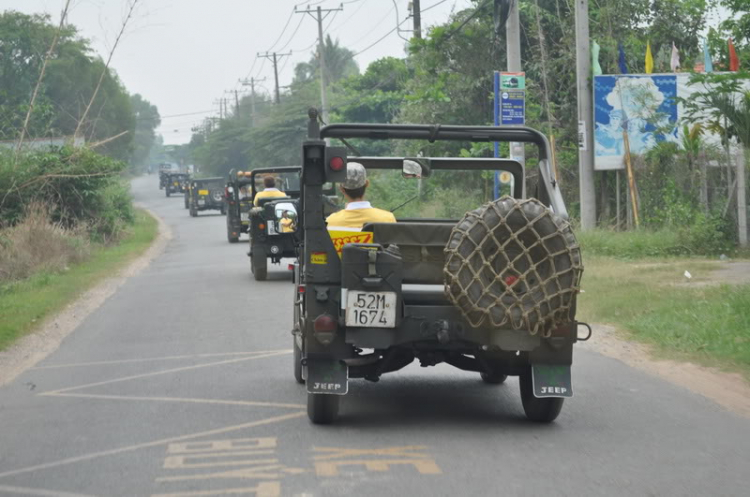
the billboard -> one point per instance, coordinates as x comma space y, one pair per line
646, 106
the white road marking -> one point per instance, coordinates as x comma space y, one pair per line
166, 371
248, 403
151, 359
155, 443
38, 491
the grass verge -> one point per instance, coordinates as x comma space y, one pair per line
652, 301
25, 303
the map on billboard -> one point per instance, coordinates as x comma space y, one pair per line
646, 106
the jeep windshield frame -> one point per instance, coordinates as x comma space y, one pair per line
271, 170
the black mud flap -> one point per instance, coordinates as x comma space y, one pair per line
327, 376
551, 381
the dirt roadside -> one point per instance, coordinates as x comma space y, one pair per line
48, 336
730, 390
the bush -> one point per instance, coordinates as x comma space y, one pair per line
81, 187
36, 244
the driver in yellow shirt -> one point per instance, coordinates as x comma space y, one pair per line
358, 211
269, 190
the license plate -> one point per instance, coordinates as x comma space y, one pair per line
202, 192
551, 381
244, 216
327, 376
370, 309
201, 201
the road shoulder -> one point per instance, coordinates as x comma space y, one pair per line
47, 337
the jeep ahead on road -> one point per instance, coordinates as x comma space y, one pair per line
175, 183
490, 288
273, 221
239, 202
164, 169
206, 194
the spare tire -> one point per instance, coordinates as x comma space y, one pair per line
514, 264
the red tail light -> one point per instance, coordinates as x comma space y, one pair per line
324, 328
336, 164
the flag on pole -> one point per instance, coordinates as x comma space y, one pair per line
708, 64
734, 62
621, 61
674, 64
649, 59
596, 69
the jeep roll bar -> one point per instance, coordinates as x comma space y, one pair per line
547, 191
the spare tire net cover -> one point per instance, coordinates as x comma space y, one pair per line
514, 264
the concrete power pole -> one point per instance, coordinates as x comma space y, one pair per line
585, 116
417, 13
251, 84
275, 58
741, 196
319, 17
513, 45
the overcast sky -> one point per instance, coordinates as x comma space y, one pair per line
182, 55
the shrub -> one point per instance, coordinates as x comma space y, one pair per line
37, 244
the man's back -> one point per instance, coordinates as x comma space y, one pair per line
274, 193
356, 218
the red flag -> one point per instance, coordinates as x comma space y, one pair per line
734, 62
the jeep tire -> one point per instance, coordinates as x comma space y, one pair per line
322, 409
544, 410
187, 203
259, 264
193, 210
166, 191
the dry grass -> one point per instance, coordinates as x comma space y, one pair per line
39, 245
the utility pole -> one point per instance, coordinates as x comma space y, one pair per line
513, 45
252, 84
321, 54
275, 57
236, 104
741, 196
585, 115
416, 12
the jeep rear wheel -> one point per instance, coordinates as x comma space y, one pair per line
193, 211
166, 192
494, 378
544, 410
259, 264
322, 409
187, 205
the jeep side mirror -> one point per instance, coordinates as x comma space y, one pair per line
413, 169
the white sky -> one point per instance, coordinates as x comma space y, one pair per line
182, 55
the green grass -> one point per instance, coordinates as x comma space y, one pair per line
26, 303
652, 301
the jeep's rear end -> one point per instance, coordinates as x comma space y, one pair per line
493, 292
206, 194
273, 221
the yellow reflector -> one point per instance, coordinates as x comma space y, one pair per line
202, 192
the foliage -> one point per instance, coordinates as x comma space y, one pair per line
147, 119
71, 76
25, 303
82, 188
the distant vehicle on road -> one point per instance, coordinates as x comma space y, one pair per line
174, 183
206, 194
268, 238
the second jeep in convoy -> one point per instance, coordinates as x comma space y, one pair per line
206, 194
174, 183
273, 220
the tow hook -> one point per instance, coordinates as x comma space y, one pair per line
586, 325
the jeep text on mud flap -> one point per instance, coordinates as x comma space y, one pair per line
493, 292
206, 194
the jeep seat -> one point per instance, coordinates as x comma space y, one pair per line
421, 245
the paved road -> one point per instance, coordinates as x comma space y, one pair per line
181, 384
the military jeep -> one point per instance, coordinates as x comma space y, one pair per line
491, 290
273, 222
206, 194
239, 202
174, 183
